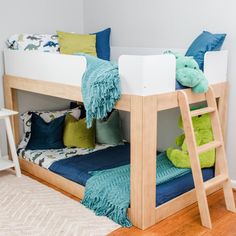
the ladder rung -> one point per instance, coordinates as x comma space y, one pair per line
208, 146
216, 181
202, 111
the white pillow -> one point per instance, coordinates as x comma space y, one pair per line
34, 42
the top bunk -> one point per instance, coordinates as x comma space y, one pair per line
143, 72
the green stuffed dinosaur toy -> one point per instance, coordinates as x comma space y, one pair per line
203, 133
188, 73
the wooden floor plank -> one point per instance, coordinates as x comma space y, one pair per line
184, 223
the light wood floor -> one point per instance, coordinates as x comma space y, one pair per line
185, 222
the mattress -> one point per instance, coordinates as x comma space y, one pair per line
77, 169
45, 158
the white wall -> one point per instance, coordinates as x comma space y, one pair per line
31, 16
169, 23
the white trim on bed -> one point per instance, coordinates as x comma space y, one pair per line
142, 73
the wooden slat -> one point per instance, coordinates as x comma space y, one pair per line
56, 90
216, 181
170, 100
208, 146
45, 87
202, 111
179, 203
165, 101
52, 178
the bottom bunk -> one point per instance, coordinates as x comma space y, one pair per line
72, 172
77, 169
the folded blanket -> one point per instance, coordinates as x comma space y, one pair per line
107, 192
100, 88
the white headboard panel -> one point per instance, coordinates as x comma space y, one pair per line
53, 67
144, 71
147, 75
215, 66
116, 52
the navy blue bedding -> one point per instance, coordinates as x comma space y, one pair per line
77, 168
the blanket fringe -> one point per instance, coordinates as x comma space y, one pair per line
104, 96
100, 88
107, 192
102, 207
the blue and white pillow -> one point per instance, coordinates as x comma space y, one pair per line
34, 42
47, 116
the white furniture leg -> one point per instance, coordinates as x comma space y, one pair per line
0, 150
12, 146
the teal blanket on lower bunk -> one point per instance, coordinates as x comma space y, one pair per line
107, 192
100, 88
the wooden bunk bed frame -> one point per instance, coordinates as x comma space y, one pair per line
143, 122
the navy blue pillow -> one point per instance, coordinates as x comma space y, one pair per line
103, 44
46, 135
206, 41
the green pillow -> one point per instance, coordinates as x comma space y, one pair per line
109, 131
76, 133
71, 43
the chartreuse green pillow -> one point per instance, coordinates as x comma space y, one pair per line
71, 43
76, 133
109, 131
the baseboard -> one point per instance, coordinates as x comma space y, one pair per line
233, 184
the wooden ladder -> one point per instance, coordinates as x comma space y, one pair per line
222, 177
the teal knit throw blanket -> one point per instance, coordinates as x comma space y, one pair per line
100, 88
107, 192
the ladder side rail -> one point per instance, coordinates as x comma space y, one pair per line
217, 133
221, 160
194, 159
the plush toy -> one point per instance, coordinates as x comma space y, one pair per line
188, 73
203, 133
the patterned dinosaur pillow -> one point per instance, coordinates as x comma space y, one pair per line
32, 42
47, 116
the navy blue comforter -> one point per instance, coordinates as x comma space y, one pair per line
77, 169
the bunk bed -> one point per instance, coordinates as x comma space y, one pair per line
148, 86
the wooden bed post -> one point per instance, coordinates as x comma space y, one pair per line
11, 103
223, 115
223, 109
143, 160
